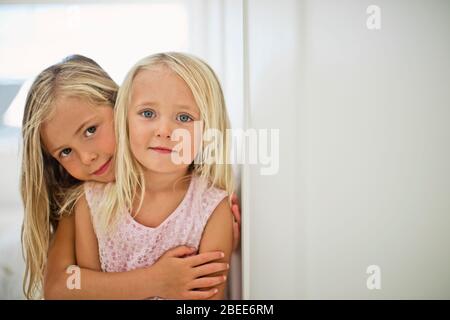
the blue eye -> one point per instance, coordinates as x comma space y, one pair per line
147, 114
90, 131
65, 152
184, 118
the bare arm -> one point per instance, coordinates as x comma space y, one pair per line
218, 235
94, 284
136, 284
86, 245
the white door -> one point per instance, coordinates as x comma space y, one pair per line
364, 151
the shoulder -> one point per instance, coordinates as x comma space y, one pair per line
93, 188
93, 194
82, 207
83, 215
222, 215
209, 198
219, 217
208, 194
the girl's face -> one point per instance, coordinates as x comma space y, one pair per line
80, 136
161, 102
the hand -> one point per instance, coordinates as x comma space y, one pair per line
237, 220
179, 274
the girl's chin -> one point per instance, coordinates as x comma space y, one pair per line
165, 169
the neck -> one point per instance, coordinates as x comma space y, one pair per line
161, 182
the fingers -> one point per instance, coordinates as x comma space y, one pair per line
201, 295
234, 198
236, 235
237, 221
207, 282
236, 213
180, 251
204, 257
210, 268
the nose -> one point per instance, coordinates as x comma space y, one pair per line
88, 157
164, 129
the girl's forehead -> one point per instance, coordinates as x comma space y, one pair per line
161, 84
158, 74
70, 109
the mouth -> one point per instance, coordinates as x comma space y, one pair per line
162, 150
103, 168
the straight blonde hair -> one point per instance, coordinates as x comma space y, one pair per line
47, 189
208, 95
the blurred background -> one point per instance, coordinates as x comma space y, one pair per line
363, 114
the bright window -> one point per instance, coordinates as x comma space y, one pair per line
116, 35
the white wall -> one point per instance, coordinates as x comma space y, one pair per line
364, 153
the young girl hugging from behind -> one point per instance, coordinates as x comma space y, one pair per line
68, 138
167, 193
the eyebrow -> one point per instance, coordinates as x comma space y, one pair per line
144, 103
185, 107
76, 132
181, 106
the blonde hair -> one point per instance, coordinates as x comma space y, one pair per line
208, 95
47, 189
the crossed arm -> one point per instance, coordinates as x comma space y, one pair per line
142, 283
94, 284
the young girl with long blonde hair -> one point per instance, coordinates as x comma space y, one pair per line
158, 202
68, 138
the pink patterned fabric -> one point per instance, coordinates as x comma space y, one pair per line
133, 245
